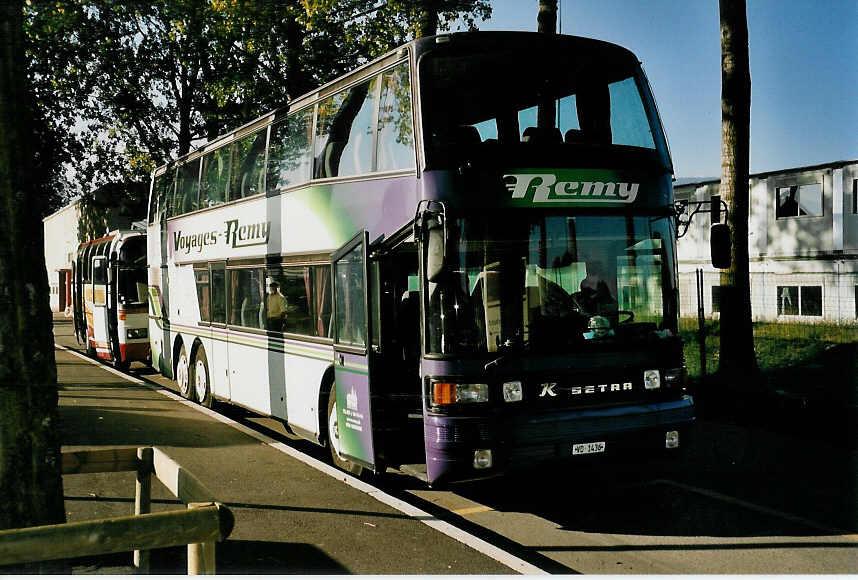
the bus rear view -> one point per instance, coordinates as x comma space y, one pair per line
547, 248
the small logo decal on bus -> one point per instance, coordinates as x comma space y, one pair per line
548, 389
545, 188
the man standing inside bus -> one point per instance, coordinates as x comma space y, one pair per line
275, 307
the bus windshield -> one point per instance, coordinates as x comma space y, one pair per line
553, 285
548, 106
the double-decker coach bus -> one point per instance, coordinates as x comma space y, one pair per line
109, 298
458, 259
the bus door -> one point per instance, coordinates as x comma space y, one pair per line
352, 351
99, 305
112, 307
77, 302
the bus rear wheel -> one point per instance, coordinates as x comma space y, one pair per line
182, 374
200, 379
334, 438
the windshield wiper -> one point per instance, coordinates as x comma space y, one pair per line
510, 346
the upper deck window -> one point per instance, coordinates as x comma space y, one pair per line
395, 129
215, 177
516, 100
345, 131
248, 163
290, 157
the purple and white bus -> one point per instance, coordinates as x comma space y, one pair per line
457, 260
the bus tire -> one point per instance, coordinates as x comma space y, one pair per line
183, 369
200, 378
334, 438
121, 365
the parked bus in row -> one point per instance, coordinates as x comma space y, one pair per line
456, 260
109, 298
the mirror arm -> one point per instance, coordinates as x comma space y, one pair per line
714, 205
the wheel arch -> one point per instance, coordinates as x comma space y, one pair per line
324, 391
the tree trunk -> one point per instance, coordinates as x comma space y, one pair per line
30, 480
737, 358
546, 20
427, 21
296, 79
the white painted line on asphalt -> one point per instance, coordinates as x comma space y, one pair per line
445, 528
758, 508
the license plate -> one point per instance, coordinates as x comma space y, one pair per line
586, 448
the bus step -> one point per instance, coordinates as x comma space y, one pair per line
417, 470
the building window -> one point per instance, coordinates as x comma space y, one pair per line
855, 196
800, 300
800, 201
716, 299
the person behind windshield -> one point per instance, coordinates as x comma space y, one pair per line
595, 296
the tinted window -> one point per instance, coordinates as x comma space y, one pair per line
218, 293
351, 311
290, 159
300, 303
248, 164
215, 177
246, 292
201, 275
345, 131
187, 188
395, 130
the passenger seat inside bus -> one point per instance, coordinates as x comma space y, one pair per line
548, 135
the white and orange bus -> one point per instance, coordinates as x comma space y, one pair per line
109, 298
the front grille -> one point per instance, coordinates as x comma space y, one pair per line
464, 433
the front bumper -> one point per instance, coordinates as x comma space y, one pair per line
526, 439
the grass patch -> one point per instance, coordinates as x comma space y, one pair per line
808, 360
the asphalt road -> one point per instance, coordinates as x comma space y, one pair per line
744, 501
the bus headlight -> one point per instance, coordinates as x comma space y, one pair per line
652, 379
134, 333
449, 393
512, 391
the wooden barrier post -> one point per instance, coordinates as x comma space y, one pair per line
201, 557
208, 523
143, 501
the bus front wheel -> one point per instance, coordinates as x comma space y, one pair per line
200, 379
182, 374
334, 438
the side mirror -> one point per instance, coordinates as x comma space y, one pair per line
435, 250
720, 245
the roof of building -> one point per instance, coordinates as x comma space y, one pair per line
685, 181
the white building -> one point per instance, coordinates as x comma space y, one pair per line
60, 246
803, 245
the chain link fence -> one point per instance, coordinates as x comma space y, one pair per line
805, 334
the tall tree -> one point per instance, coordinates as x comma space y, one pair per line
737, 359
30, 483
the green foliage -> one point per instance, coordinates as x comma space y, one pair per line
127, 85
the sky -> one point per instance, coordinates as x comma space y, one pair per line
804, 72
